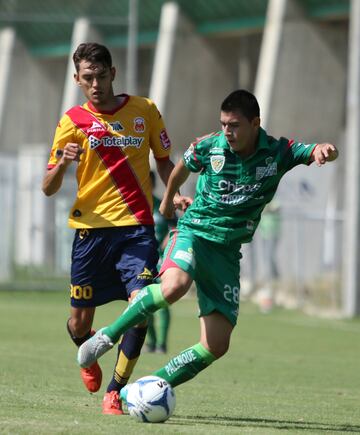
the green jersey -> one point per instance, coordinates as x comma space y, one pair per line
231, 191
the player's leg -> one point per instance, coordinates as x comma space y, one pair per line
128, 352
150, 343
163, 317
88, 263
80, 322
79, 328
214, 342
217, 282
147, 301
136, 259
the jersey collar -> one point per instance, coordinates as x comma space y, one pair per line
122, 104
262, 142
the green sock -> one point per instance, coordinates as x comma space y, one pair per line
148, 300
164, 323
186, 365
151, 333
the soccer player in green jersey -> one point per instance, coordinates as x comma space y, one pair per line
240, 168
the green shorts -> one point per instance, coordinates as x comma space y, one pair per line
215, 269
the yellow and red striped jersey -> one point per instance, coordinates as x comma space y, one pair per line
114, 186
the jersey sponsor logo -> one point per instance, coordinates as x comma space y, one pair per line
164, 139
139, 124
184, 256
217, 150
231, 187
116, 126
145, 274
266, 171
116, 141
95, 127
94, 142
237, 193
217, 163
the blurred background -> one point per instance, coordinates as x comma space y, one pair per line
300, 58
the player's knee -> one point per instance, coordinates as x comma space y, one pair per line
174, 290
217, 347
174, 284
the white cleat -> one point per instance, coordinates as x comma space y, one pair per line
93, 348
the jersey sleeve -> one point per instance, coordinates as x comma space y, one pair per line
159, 139
64, 133
298, 152
194, 156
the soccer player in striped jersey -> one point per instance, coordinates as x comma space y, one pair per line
114, 254
240, 168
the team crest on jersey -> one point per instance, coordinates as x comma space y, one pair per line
217, 163
139, 124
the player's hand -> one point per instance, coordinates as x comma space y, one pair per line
71, 153
182, 202
324, 152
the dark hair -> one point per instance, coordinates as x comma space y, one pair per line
241, 101
92, 52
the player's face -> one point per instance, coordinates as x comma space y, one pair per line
241, 134
95, 81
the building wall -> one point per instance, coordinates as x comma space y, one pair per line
34, 98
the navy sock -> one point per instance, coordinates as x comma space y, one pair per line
128, 353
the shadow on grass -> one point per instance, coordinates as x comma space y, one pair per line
264, 423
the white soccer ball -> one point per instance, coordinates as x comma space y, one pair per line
150, 400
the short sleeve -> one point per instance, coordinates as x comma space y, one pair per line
159, 139
298, 152
64, 133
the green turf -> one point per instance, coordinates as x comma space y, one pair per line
285, 373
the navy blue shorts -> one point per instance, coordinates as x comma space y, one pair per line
110, 263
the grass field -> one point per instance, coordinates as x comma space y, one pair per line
285, 373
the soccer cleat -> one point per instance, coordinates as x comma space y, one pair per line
92, 377
112, 404
93, 348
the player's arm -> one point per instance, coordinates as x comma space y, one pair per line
53, 179
164, 168
324, 152
176, 179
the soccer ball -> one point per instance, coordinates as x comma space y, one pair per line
150, 400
